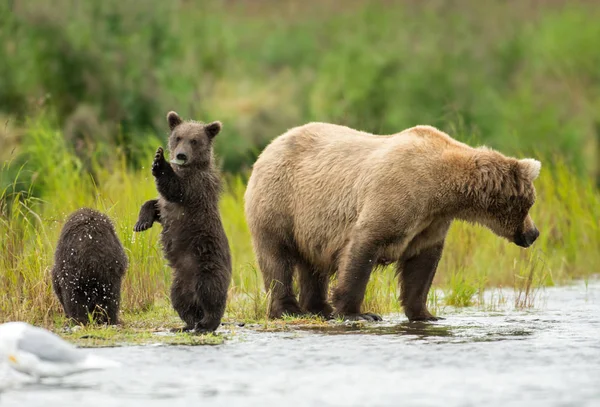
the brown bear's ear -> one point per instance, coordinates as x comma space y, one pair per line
530, 168
212, 129
173, 119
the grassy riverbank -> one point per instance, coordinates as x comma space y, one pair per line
85, 86
567, 213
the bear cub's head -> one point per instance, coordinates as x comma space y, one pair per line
190, 142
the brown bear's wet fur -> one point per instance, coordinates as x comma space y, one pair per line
89, 266
325, 199
193, 238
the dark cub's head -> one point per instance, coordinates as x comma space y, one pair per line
190, 142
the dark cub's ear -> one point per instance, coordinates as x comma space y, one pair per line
173, 119
212, 129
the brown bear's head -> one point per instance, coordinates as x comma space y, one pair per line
190, 142
504, 192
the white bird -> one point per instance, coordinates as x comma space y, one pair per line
41, 353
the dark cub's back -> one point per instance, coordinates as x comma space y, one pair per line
89, 266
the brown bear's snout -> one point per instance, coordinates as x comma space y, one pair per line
181, 157
526, 239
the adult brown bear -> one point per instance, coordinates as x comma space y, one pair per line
324, 198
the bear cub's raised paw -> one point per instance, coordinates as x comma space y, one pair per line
159, 163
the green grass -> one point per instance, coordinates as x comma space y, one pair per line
92, 337
151, 327
460, 290
566, 212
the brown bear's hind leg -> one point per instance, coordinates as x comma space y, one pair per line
276, 263
353, 275
112, 301
416, 275
182, 300
201, 305
314, 284
76, 309
212, 298
58, 290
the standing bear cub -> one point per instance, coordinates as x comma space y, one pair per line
193, 238
325, 199
89, 266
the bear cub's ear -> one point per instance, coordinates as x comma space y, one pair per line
212, 129
174, 120
531, 168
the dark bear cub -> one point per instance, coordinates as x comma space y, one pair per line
193, 238
89, 266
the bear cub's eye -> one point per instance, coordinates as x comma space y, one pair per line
178, 139
194, 142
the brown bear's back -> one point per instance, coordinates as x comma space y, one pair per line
314, 181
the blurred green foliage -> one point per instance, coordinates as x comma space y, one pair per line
522, 77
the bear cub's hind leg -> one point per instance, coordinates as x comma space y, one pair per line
201, 307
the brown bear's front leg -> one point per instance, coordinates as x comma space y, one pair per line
168, 184
314, 284
149, 213
416, 275
353, 275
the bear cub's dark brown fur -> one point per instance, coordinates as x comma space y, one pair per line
89, 266
193, 238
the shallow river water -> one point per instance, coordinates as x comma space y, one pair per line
545, 356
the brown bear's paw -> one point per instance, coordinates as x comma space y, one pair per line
207, 324
367, 316
159, 163
141, 225
290, 308
322, 310
422, 316
199, 330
